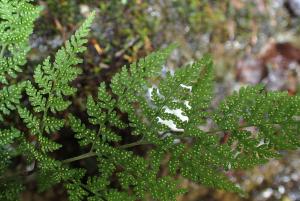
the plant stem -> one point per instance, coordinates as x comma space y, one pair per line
88, 189
3, 50
80, 157
140, 142
125, 146
91, 153
137, 143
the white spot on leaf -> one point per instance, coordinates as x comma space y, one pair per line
177, 113
187, 87
170, 124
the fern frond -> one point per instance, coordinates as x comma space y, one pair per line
11, 189
43, 76
259, 123
8, 135
141, 106
32, 122
54, 79
76, 192
130, 85
83, 134
53, 175
10, 97
16, 25
17, 20
53, 124
53, 83
37, 100
66, 59
103, 112
48, 145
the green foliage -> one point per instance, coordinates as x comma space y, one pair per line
53, 81
10, 190
9, 98
271, 117
7, 136
158, 110
16, 24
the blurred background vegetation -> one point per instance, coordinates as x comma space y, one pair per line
251, 42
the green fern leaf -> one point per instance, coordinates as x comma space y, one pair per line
16, 25
10, 97
52, 124
36, 98
83, 134
8, 135
271, 118
32, 122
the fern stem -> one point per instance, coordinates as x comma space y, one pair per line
125, 146
91, 153
89, 190
3, 50
137, 143
80, 157
93, 144
140, 142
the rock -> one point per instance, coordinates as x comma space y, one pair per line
293, 6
